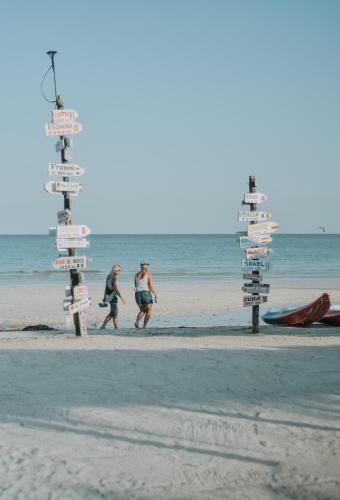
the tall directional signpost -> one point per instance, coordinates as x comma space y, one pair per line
68, 236
256, 254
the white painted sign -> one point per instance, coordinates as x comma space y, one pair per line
80, 292
64, 216
82, 323
68, 263
255, 198
254, 300
59, 187
255, 265
256, 288
255, 240
64, 115
80, 305
65, 169
60, 145
68, 154
241, 234
52, 129
262, 228
63, 243
253, 216
260, 239
68, 291
251, 276
73, 231
259, 252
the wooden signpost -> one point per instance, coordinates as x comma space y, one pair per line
68, 236
253, 241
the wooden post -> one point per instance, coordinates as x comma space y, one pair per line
74, 273
255, 279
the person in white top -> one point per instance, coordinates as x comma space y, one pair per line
144, 288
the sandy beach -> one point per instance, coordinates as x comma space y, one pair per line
180, 304
172, 413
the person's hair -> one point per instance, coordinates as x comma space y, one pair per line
114, 269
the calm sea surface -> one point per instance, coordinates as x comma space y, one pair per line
26, 260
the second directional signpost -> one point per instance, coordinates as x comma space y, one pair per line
256, 254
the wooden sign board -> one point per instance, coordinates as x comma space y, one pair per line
68, 263
64, 243
262, 228
68, 154
251, 276
255, 265
80, 305
64, 115
256, 288
260, 239
65, 169
80, 292
60, 145
253, 216
64, 216
82, 323
254, 300
254, 198
52, 129
59, 187
73, 231
254, 253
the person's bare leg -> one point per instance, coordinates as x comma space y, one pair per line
115, 322
147, 315
106, 320
139, 317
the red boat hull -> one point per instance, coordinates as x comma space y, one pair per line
331, 318
301, 315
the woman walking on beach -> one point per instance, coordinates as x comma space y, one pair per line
111, 295
144, 289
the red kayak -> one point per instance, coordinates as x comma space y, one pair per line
332, 316
304, 315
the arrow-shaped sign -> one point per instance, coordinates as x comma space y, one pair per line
262, 228
65, 169
59, 187
80, 305
52, 129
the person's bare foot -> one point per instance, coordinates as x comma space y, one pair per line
136, 325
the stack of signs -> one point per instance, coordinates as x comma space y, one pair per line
69, 236
253, 242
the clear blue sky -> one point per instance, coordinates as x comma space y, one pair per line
181, 100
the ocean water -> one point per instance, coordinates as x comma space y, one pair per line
26, 260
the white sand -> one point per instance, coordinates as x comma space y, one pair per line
209, 414
187, 304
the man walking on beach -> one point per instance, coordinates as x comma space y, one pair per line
144, 289
111, 295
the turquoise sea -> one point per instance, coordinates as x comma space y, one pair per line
26, 259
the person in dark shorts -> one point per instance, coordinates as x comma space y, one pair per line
144, 289
111, 295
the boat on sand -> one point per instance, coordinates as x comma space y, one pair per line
303, 315
332, 316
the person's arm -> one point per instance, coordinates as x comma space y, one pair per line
116, 290
151, 287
